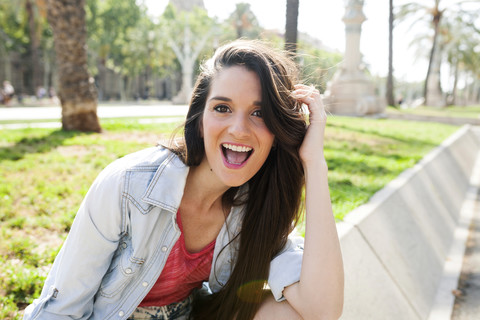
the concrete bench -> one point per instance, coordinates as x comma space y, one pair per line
395, 246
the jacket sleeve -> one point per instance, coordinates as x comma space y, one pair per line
76, 274
285, 268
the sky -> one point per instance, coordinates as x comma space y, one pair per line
322, 19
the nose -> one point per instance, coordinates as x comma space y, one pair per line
239, 128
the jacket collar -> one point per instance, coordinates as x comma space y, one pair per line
166, 188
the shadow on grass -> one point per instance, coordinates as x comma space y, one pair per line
345, 190
356, 167
40, 144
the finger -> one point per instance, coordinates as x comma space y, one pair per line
301, 85
302, 91
314, 104
313, 100
305, 94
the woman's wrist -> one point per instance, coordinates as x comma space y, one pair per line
317, 166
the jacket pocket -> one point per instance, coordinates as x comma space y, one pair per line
122, 271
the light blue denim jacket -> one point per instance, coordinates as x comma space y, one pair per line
121, 238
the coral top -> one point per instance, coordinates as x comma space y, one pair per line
183, 272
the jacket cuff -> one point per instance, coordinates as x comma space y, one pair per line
285, 270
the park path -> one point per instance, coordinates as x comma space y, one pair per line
104, 111
467, 302
22, 117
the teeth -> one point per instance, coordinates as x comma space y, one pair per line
236, 148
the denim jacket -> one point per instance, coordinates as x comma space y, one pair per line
121, 238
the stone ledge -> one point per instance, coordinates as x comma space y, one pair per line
396, 245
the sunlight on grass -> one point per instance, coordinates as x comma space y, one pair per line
45, 174
363, 155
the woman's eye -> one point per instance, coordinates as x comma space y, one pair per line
221, 108
257, 113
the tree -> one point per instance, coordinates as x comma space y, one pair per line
13, 36
35, 12
109, 25
187, 33
146, 56
291, 23
244, 21
461, 39
24, 42
390, 95
434, 15
421, 12
76, 89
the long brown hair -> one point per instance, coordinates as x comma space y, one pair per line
274, 192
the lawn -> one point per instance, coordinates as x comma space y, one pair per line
45, 173
472, 112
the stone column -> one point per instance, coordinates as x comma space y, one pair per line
353, 20
351, 92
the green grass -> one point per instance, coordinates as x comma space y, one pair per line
45, 174
451, 111
363, 155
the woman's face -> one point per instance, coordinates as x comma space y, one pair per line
237, 141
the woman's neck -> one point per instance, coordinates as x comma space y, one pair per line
203, 190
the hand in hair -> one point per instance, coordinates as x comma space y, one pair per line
311, 151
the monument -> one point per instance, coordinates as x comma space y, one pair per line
351, 92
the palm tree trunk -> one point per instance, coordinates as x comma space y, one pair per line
477, 92
390, 95
436, 25
291, 25
76, 89
455, 83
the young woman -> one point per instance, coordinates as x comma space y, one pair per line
219, 208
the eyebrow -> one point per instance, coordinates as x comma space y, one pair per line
256, 103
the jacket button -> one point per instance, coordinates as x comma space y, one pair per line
121, 313
144, 283
124, 245
128, 270
164, 249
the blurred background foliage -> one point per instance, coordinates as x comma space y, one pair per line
132, 55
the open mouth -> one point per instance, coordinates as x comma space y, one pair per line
236, 155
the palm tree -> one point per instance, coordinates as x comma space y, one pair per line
291, 25
244, 21
435, 16
461, 39
433, 13
76, 90
390, 95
